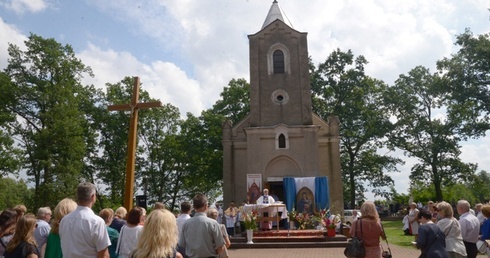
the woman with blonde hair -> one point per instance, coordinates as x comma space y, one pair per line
53, 246
23, 244
21, 209
452, 230
119, 219
159, 237
368, 229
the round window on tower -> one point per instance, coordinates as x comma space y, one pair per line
280, 97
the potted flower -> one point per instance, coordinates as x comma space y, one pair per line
331, 222
327, 220
250, 221
292, 218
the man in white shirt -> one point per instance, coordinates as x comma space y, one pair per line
42, 229
265, 199
82, 233
185, 210
470, 228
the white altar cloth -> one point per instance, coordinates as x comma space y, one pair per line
269, 208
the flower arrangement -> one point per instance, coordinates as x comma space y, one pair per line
292, 215
305, 221
327, 219
250, 219
332, 221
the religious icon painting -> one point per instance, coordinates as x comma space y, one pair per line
305, 201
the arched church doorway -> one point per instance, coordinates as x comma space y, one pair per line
276, 189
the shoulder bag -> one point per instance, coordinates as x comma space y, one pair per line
355, 249
481, 246
451, 227
385, 253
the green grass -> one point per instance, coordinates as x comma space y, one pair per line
395, 233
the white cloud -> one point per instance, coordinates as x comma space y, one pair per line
164, 81
22, 6
477, 151
11, 33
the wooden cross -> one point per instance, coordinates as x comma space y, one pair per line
133, 107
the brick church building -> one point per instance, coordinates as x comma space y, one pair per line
281, 137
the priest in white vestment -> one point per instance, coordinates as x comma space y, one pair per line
265, 199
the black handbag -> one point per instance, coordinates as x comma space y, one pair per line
355, 249
385, 253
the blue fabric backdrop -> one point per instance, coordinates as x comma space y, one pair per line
289, 192
322, 197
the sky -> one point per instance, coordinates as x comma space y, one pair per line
186, 51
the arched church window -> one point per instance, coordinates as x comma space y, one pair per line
282, 141
278, 59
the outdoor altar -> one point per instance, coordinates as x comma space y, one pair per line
275, 211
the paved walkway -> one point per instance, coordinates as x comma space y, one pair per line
396, 251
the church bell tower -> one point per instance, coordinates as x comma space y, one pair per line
279, 76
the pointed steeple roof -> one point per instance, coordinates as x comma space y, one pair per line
276, 13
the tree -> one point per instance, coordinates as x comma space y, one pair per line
480, 187
161, 166
202, 165
423, 130
200, 158
340, 87
94, 107
10, 156
235, 101
467, 78
15, 192
49, 126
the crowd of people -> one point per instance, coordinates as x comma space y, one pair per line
438, 233
74, 230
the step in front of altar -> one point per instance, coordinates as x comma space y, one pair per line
289, 239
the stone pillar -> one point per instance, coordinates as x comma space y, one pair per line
228, 173
335, 172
